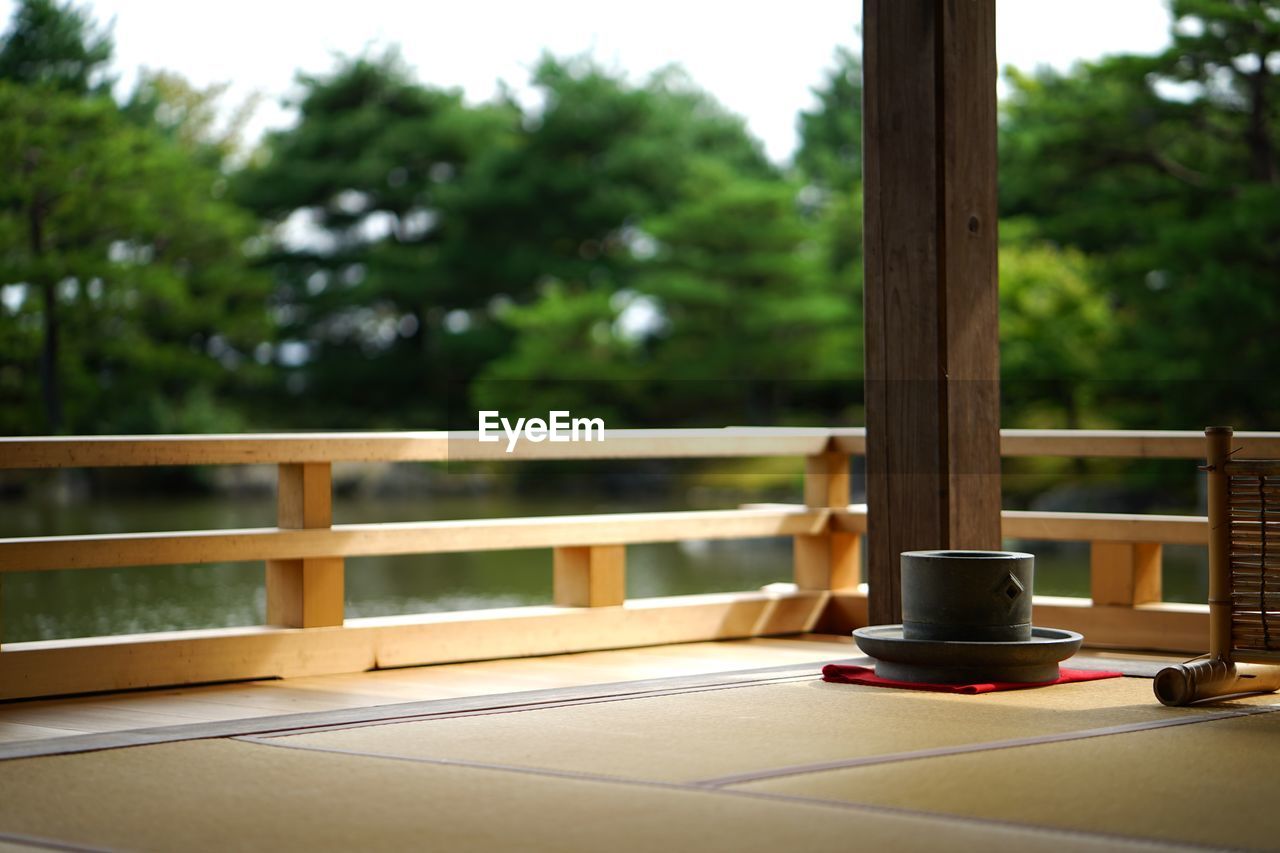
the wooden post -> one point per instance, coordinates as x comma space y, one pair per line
589, 575
1218, 452
828, 560
1122, 574
932, 328
305, 593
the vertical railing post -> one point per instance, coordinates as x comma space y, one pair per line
1122, 574
589, 575
832, 559
306, 593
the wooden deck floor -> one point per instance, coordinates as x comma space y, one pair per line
30, 720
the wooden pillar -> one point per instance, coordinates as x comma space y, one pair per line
932, 327
305, 593
589, 575
827, 560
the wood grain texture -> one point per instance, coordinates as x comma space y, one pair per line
1217, 450
45, 720
57, 667
900, 257
419, 537
932, 439
831, 559
250, 449
307, 592
146, 549
826, 480
1108, 527
968, 277
462, 446
1124, 573
1135, 444
589, 576
1073, 526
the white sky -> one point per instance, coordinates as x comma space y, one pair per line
758, 57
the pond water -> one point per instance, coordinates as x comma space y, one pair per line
57, 604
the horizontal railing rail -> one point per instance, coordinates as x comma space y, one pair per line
113, 550
305, 555
114, 451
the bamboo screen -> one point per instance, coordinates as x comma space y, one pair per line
1253, 500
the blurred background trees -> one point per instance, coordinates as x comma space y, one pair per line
128, 297
1164, 172
400, 257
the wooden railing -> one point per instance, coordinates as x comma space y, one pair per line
305, 554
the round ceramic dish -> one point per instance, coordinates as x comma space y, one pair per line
965, 661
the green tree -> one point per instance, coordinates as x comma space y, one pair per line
726, 318
661, 245
1056, 330
57, 46
829, 160
126, 271
753, 326
121, 269
1164, 170
371, 315
830, 152
599, 155
190, 116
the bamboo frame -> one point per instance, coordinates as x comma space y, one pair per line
1218, 451
1227, 670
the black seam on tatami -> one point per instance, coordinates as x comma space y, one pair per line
404, 711
51, 843
980, 746
685, 787
355, 717
541, 706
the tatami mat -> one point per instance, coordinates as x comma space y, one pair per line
704, 735
219, 795
1213, 783
130, 719
764, 760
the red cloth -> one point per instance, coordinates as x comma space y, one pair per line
847, 674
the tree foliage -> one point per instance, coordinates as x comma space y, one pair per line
128, 306
1163, 169
400, 257
358, 196
57, 46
